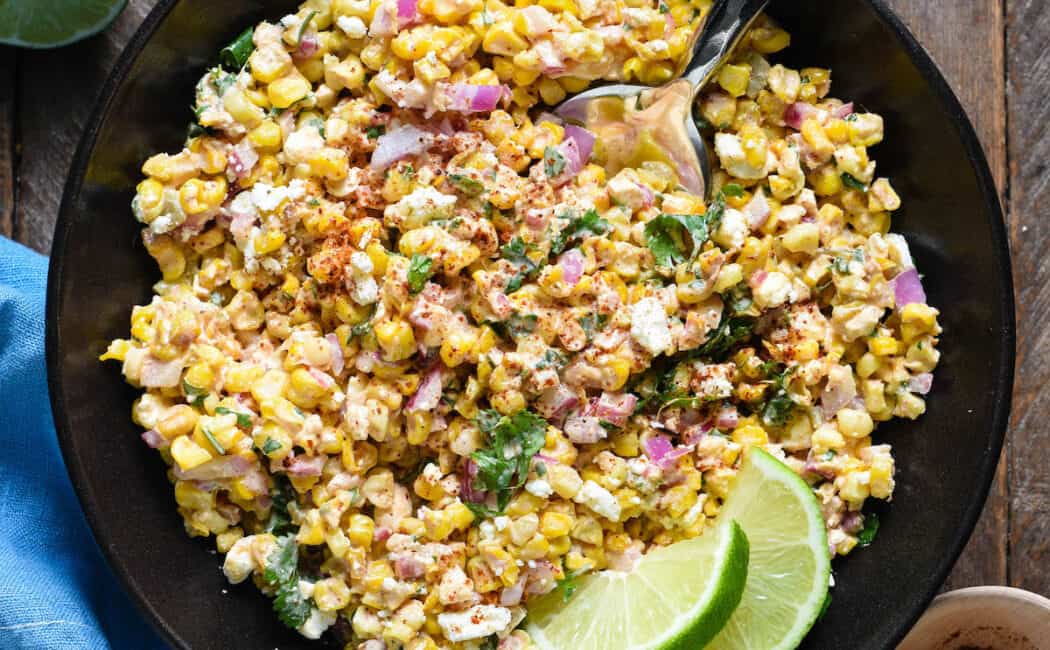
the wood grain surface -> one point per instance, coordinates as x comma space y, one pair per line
994, 54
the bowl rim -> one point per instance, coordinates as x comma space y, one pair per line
923, 62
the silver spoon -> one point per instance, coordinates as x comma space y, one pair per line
666, 112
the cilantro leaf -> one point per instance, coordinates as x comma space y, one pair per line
516, 252
419, 272
374, 132
778, 408
197, 394
731, 330
280, 522
269, 446
871, 527
213, 441
733, 189
222, 81
567, 585
504, 463
592, 324
282, 572
466, 184
243, 419
675, 238
851, 182
553, 162
578, 228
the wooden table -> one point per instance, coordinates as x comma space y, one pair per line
993, 53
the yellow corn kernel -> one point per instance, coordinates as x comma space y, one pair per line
854, 423
460, 516
535, 548
268, 64
188, 454
884, 346
802, 238
159, 166
456, 347
149, 200
750, 435
551, 91
654, 74
242, 109
502, 39
826, 181
917, 319
396, 338
555, 524
734, 78
266, 137
767, 40
287, 90
178, 421
360, 530
188, 495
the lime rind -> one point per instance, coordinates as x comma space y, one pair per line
43, 24
652, 607
763, 486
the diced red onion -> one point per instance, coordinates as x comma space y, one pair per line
815, 468
338, 361
473, 98
511, 596
541, 577
428, 395
844, 111
500, 303
907, 288
555, 402
584, 429
406, 12
757, 278
220, 468
305, 465
381, 534
615, 407
551, 62
838, 392
308, 46
401, 143
669, 23
537, 19
322, 378
921, 384
797, 113
757, 210
536, 219
409, 568
570, 152
852, 521
466, 483
663, 453
255, 481
242, 158
571, 263
727, 417
154, 439
584, 140
160, 374
382, 22
241, 226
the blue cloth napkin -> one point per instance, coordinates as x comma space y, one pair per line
56, 591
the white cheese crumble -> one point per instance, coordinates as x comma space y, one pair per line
539, 488
733, 230
318, 622
477, 622
774, 290
268, 198
649, 325
352, 26
599, 500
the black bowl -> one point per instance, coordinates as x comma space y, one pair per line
951, 217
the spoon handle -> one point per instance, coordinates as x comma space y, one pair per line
721, 32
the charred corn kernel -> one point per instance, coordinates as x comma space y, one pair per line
360, 529
396, 338
417, 427
734, 78
331, 594
188, 454
750, 435
884, 346
564, 480
286, 91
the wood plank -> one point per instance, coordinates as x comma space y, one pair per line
1028, 25
53, 116
965, 38
8, 58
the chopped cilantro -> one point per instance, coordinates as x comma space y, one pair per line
731, 330
778, 408
567, 586
828, 455
269, 446
849, 181
578, 228
553, 162
282, 573
222, 81
552, 359
213, 441
733, 189
503, 464
374, 132
519, 325
280, 522
516, 252
313, 203
419, 271
198, 394
466, 184
592, 324
675, 238
306, 23
243, 419
871, 528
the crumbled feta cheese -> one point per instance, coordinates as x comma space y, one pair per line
238, 564
733, 229
487, 530
352, 26
361, 262
501, 523
649, 325
366, 291
599, 500
268, 198
539, 488
475, 623
624, 188
774, 290
730, 152
301, 143
318, 622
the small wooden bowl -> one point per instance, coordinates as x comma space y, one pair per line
983, 618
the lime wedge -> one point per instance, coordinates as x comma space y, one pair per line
51, 23
788, 571
678, 596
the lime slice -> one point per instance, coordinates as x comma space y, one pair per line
788, 571
678, 596
51, 23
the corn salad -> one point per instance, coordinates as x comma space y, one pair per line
414, 359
